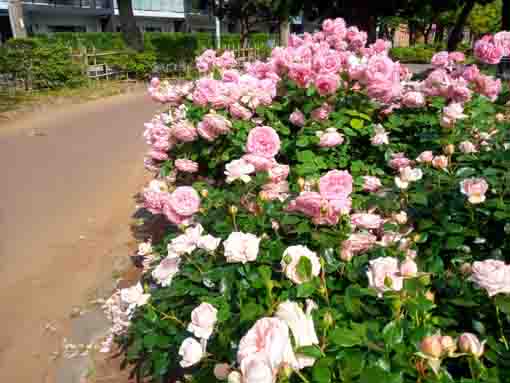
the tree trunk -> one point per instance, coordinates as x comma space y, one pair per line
438, 38
284, 32
130, 31
16, 19
505, 17
412, 33
426, 33
243, 37
456, 34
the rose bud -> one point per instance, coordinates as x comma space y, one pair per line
400, 217
465, 268
449, 345
233, 210
301, 183
328, 319
470, 344
221, 371
234, 377
431, 346
408, 268
204, 193
500, 117
430, 296
449, 149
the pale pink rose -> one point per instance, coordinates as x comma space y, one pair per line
231, 76
328, 26
380, 68
384, 269
399, 161
335, 184
240, 112
166, 270
331, 210
470, 73
366, 220
239, 169
221, 371
263, 141
322, 113
226, 60
488, 52
451, 114
390, 238
440, 59
502, 40
413, 99
456, 57
134, 296
467, 147
327, 83
241, 247
158, 155
425, 157
408, 175
185, 243
371, 183
203, 319
459, 91
206, 131
380, 136
185, 201
184, 131
191, 352
268, 342
275, 190
492, 275
330, 138
355, 244
290, 261
474, 189
278, 172
208, 243
470, 344
301, 74
308, 203
259, 162
487, 86
440, 162
173, 216
186, 166
408, 268
218, 123
155, 201
297, 118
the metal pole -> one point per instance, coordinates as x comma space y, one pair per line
218, 32
16, 18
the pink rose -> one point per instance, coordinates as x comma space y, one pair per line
408, 268
173, 216
474, 189
191, 352
380, 136
487, 86
470, 344
185, 201
327, 83
241, 247
275, 190
203, 319
440, 59
425, 157
492, 275
467, 147
371, 183
366, 220
399, 161
186, 166
328, 26
184, 131
158, 155
260, 163
297, 118
330, 138
440, 162
278, 172
355, 244
380, 68
240, 112
384, 269
308, 203
488, 52
166, 270
218, 123
470, 73
263, 141
322, 113
231, 76
155, 200
335, 184
456, 57
290, 261
221, 371
413, 99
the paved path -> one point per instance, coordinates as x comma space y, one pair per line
65, 197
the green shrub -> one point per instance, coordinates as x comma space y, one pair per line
137, 64
416, 54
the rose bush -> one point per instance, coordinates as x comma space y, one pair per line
332, 221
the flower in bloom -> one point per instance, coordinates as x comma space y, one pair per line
203, 319
384, 275
371, 183
425, 157
335, 184
184, 131
156, 196
166, 270
488, 52
234, 377
213, 125
208, 243
408, 175
221, 371
134, 296
278, 172
185, 201
355, 244
413, 99
239, 169
264, 349
241, 247
492, 275
260, 163
327, 83
408, 268
191, 352
366, 220
297, 118
431, 346
440, 59
263, 141
440, 162
240, 112
330, 138
291, 259
144, 248
467, 147
487, 86
470, 344
474, 189
302, 328
380, 136
322, 113
399, 161
186, 166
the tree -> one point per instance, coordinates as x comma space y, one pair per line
456, 34
486, 18
132, 35
283, 10
505, 19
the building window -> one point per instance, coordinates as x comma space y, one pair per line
66, 28
153, 29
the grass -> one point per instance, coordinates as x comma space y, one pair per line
17, 100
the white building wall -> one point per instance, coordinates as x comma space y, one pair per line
42, 22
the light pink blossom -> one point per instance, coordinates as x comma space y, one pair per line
185, 201
239, 169
474, 189
425, 157
203, 319
241, 247
366, 220
383, 270
330, 138
492, 275
186, 166
290, 261
371, 183
263, 141
297, 118
335, 184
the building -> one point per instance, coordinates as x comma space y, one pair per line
49, 16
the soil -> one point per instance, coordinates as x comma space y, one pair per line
68, 181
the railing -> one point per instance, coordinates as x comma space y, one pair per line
94, 4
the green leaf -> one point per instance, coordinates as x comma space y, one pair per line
320, 372
265, 273
357, 124
345, 337
393, 334
453, 243
304, 268
312, 351
305, 156
251, 311
306, 289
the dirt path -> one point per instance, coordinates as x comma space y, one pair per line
65, 199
